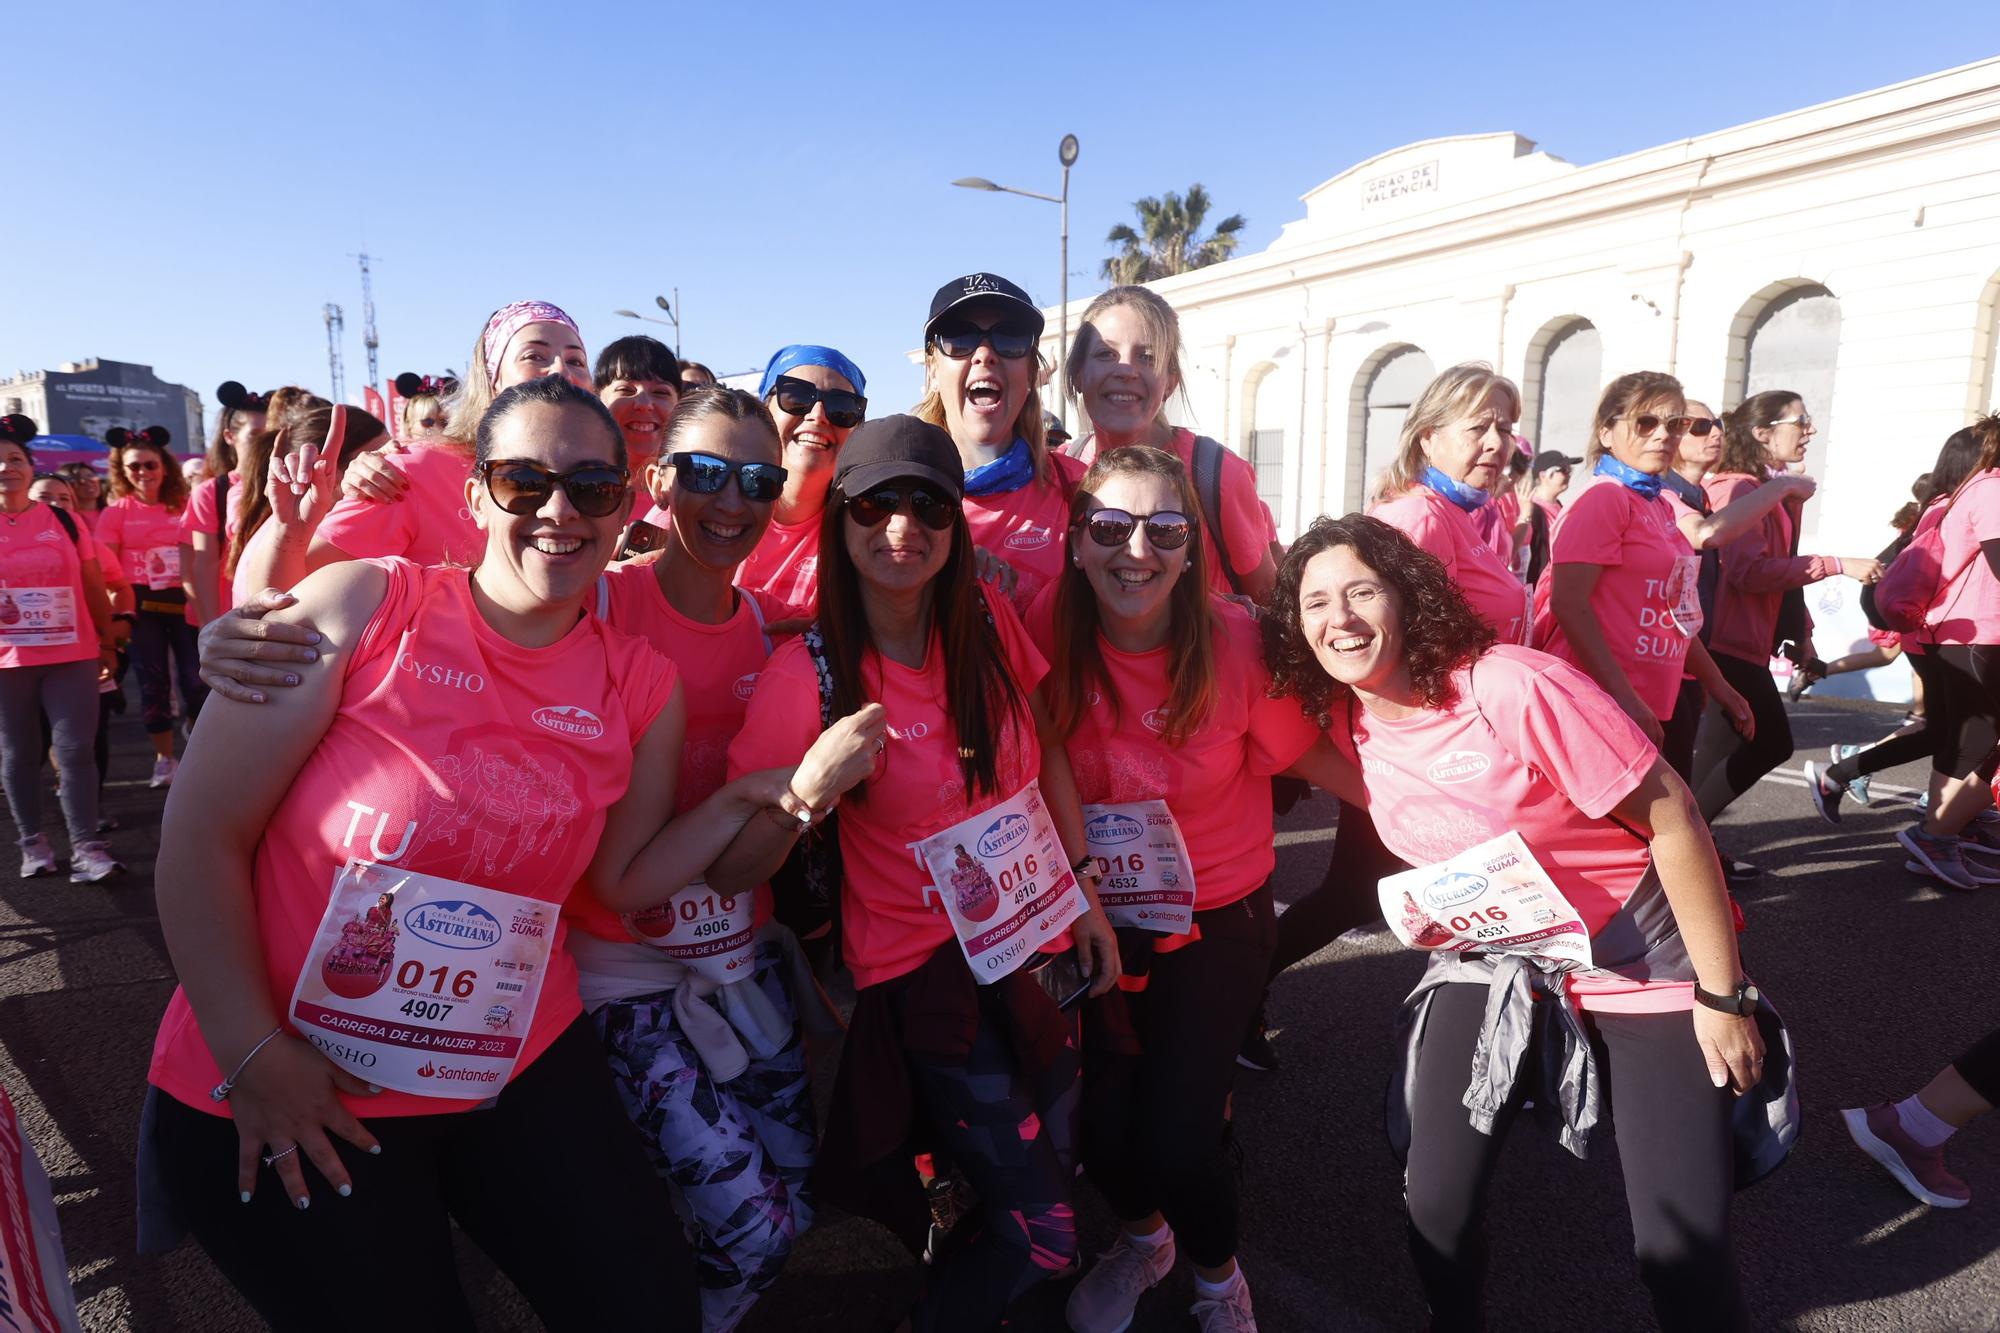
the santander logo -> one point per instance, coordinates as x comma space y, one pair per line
1458, 766
570, 720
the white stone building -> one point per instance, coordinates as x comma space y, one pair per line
1850, 251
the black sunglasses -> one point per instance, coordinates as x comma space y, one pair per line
521, 488
874, 508
1167, 530
1703, 425
843, 409
705, 474
1648, 423
1010, 342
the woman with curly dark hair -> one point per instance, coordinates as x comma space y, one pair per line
1561, 859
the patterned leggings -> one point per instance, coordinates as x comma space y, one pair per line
738, 1153
1014, 1134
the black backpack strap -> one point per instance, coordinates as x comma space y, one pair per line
64, 517
1208, 490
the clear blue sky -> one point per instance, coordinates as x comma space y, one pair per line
184, 183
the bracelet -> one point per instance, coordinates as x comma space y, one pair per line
1086, 865
220, 1092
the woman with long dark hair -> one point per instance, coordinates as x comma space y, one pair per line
959, 1042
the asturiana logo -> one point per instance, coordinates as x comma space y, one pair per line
1111, 828
746, 686
1156, 720
1452, 889
455, 925
1003, 834
1027, 539
570, 720
1459, 766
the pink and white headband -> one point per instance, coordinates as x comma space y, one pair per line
509, 320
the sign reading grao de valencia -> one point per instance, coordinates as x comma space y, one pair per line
1420, 179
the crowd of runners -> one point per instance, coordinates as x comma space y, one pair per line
574, 746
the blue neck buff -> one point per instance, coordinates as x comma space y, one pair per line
1631, 478
1009, 472
1465, 497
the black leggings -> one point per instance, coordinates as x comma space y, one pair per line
1726, 765
1677, 742
1156, 1125
1967, 685
551, 1181
1672, 1127
1345, 897
1980, 1066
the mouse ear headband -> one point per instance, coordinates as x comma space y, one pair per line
118, 437
18, 429
236, 398
411, 385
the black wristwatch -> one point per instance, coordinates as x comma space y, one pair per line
1742, 1002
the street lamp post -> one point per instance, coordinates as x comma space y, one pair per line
1066, 153
671, 318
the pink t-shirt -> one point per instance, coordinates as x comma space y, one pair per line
890, 924
1217, 781
1758, 569
1645, 590
1543, 752
1495, 520
1246, 519
199, 516
718, 666
433, 762
1967, 609
430, 524
41, 590
1437, 525
143, 541
785, 563
1026, 527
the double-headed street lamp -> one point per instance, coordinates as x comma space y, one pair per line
1066, 152
671, 318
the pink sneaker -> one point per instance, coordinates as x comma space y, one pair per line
1879, 1133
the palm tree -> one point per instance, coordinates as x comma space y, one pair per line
1169, 239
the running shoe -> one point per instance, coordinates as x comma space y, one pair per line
1878, 1131
1740, 872
1858, 788
1989, 816
1825, 793
1257, 1052
1229, 1313
37, 857
90, 863
1984, 836
1104, 1301
164, 769
950, 1198
1939, 858
1923, 803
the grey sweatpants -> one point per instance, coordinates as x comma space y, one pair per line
67, 692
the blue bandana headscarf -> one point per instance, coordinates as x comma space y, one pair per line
1465, 497
810, 354
1641, 483
1009, 472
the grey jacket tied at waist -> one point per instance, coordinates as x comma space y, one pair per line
1640, 943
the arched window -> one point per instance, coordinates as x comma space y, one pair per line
1268, 416
1390, 386
1793, 344
1569, 375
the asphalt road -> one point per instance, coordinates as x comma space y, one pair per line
1881, 978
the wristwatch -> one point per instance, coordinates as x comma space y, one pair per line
1742, 1002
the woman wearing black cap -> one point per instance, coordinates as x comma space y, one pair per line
981, 373
984, 1073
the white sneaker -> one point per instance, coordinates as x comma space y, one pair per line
164, 769
1104, 1300
37, 857
1228, 1313
90, 862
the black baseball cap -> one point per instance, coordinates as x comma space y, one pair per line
886, 448
987, 289
1551, 460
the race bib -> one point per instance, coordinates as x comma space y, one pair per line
713, 934
421, 984
1144, 878
155, 567
37, 617
1495, 898
1682, 596
1005, 883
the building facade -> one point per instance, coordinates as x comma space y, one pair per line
88, 398
1848, 251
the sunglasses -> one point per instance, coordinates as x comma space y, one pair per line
705, 474
874, 508
1647, 424
1009, 342
1166, 530
522, 488
1703, 425
1802, 422
148, 466
843, 409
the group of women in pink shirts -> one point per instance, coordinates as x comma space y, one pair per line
1008, 711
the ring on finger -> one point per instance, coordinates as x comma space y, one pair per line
273, 1159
